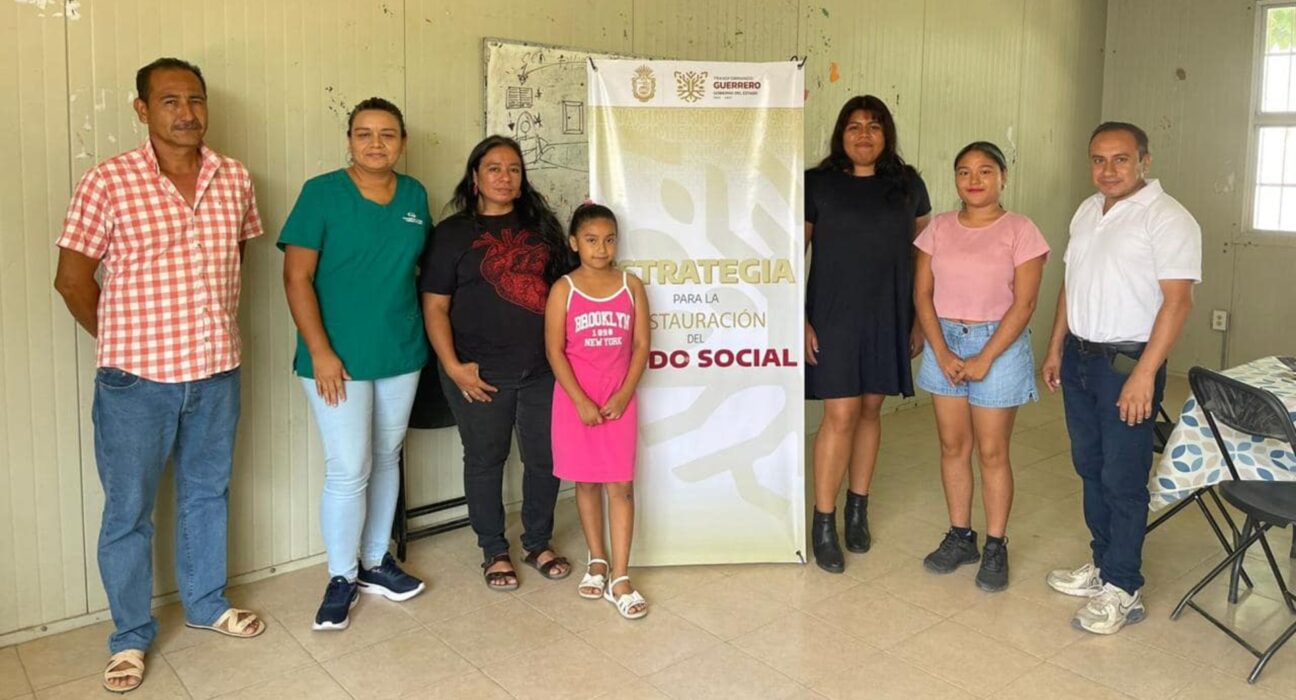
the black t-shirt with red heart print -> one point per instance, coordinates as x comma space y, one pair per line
492, 268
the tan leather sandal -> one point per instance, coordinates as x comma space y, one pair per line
234, 623
134, 661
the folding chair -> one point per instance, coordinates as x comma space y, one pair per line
1252, 411
1161, 430
430, 411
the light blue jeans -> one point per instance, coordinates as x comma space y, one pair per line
362, 439
138, 424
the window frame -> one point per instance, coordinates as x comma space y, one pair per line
1259, 119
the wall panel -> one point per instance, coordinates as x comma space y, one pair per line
971, 87
728, 30
42, 568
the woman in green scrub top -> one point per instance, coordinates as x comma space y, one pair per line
351, 248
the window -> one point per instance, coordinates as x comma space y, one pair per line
1274, 208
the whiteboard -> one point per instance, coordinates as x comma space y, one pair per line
536, 95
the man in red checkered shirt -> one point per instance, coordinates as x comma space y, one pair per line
167, 222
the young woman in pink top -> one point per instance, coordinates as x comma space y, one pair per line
977, 278
596, 338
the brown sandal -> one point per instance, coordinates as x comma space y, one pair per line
548, 568
493, 576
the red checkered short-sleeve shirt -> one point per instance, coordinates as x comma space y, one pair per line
170, 292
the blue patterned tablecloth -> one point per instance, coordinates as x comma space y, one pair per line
1192, 458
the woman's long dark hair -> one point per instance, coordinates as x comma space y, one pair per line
890, 166
531, 207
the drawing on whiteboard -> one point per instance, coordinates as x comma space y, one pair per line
573, 117
520, 98
536, 95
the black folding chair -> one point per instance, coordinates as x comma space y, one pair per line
1252, 411
1161, 430
430, 411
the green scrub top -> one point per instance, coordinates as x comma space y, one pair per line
366, 278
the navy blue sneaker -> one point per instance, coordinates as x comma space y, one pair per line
334, 613
388, 581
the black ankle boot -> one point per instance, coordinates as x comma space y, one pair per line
823, 536
855, 520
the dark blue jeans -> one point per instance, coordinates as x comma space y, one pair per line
1112, 458
523, 403
138, 424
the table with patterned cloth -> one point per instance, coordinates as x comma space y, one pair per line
1192, 458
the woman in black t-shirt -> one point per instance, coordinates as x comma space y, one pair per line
863, 208
485, 279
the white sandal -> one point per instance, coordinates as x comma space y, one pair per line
132, 662
592, 580
234, 623
626, 601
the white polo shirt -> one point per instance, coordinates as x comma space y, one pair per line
1114, 263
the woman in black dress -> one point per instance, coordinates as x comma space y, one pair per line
863, 208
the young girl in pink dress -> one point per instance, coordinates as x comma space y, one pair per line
596, 337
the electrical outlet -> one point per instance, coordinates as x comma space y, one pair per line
1219, 320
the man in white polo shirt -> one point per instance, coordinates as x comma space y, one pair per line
1131, 263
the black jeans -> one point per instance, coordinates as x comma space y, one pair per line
523, 403
1112, 458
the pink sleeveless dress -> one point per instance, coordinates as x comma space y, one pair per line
599, 334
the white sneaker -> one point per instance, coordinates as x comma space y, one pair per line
1109, 611
1084, 582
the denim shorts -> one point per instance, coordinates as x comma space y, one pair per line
1010, 381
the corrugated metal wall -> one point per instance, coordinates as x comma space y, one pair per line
1182, 70
282, 75
40, 436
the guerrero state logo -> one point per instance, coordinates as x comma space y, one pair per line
643, 85
691, 85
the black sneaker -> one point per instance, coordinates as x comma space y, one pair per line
993, 574
954, 551
388, 581
340, 596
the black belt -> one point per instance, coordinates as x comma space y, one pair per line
1092, 348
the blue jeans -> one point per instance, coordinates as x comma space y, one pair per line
138, 424
1112, 458
362, 439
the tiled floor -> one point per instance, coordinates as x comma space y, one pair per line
885, 629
